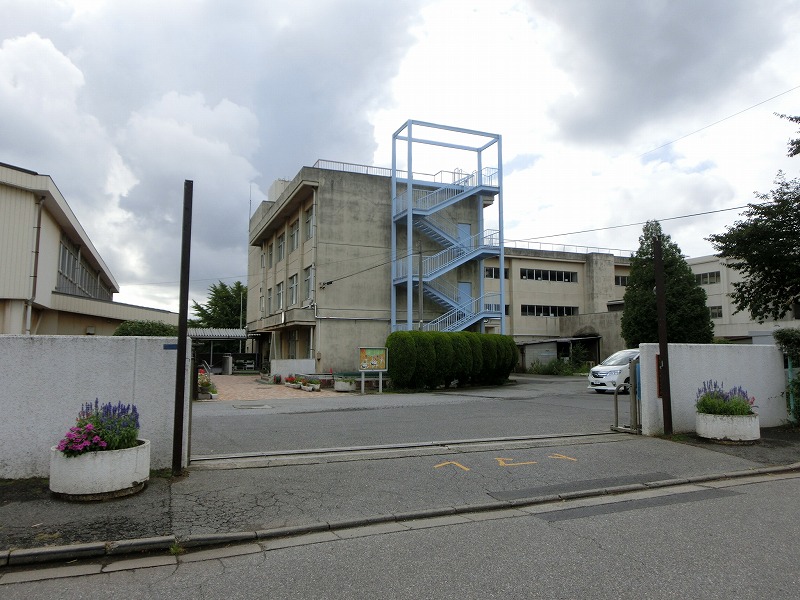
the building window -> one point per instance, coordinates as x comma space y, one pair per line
549, 275
279, 296
281, 247
269, 256
294, 236
716, 312
539, 310
76, 276
292, 290
495, 308
308, 284
263, 260
269, 301
293, 337
621, 280
494, 273
309, 223
707, 278
261, 303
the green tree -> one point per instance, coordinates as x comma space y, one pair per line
146, 328
688, 317
794, 143
225, 307
765, 249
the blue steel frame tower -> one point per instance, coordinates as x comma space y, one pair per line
422, 205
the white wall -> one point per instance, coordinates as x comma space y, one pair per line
44, 381
758, 369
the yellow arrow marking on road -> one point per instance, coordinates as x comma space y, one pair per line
509, 462
451, 462
562, 457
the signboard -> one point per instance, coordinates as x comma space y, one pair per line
372, 359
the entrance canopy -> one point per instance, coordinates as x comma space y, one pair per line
216, 334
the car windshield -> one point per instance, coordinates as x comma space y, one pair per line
620, 358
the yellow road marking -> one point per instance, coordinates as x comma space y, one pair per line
451, 462
509, 462
562, 457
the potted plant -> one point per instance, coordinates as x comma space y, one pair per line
101, 456
315, 384
212, 390
344, 384
726, 416
203, 381
292, 382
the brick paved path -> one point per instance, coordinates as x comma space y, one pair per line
252, 387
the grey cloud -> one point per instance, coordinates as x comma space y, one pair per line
225, 94
637, 62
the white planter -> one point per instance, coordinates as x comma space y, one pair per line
729, 428
344, 386
100, 475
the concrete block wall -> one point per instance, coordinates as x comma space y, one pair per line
44, 381
758, 369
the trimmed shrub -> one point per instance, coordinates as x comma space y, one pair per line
443, 346
462, 357
474, 340
402, 358
146, 328
505, 357
489, 350
425, 369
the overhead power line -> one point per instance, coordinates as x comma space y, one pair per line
744, 110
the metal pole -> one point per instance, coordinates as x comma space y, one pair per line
419, 295
661, 310
183, 315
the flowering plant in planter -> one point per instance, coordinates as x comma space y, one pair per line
290, 379
712, 399
203, 379
102, 427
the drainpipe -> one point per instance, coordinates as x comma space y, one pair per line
35, 273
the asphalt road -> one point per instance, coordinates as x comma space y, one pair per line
734, 540
533, 406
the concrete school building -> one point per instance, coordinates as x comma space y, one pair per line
342, 255
53, 280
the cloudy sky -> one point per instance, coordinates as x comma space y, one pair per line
612, 112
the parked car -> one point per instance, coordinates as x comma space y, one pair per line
612, 371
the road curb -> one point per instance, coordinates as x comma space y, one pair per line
122, 548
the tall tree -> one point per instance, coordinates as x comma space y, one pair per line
794, 143
688, 317
225, 307
765, 249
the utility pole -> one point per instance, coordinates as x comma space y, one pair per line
661, 311
183, 315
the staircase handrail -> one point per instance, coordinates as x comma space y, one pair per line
462, 313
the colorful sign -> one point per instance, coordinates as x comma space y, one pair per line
372, 359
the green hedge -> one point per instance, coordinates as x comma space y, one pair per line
146, 328
420, 359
